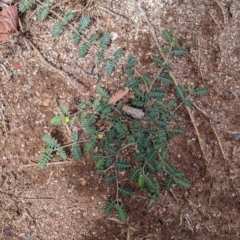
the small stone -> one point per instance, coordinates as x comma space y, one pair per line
237, 137
83, 182
46, 102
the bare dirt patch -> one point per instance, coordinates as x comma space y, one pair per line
65, 200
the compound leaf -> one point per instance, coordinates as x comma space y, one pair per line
83, 24
51, 142
110, 178
183, 182
122, 165
165, 79
91, 144
102, 92
109, 207
76, 152
125, 191
62, 153
167, 36
57, 120
122, 215
178, 51
43, 13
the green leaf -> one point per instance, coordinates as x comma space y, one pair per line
99, 163
152, 112
51, 142
133, 82
158, 61
181, 93
104, 41
183, 182
100, 56
93, 38
165, 50
140, 156
122, 215
117, 54
110, 151
131, 61
174, 131
62, 153
96, 156
167, 36
109, 207
106, 109
83, 105
172, 104
169, 169
75, 136
64, 110
159, 165
200, 92
25, 5
91, 144
110, 66
46, 158
90, 119
102, 92
83, 24
188, 103
129, 72
151, 183
75, 38
57, 29
147, 78
175, 42
121, 129
152, 154
57, 120
169, 183
165, 79
178, 51
83, 50
138, 102
157, 93
151, 166
135, 174
76, 152
127, 192
141, 181
68, 17
81, 117
122, 165
110, 178
43, 13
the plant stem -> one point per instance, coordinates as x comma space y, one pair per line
68, 145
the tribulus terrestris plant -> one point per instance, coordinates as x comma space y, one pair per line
140, 127
119, 131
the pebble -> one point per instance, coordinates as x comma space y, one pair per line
237, 137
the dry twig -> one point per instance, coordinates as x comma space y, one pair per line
223, 12
120, 17
214, 130
30, 165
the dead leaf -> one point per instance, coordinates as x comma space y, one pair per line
134, 112
46, 102
17, 65
83, 181
4, 162
118, 96
106, 18
8, 22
